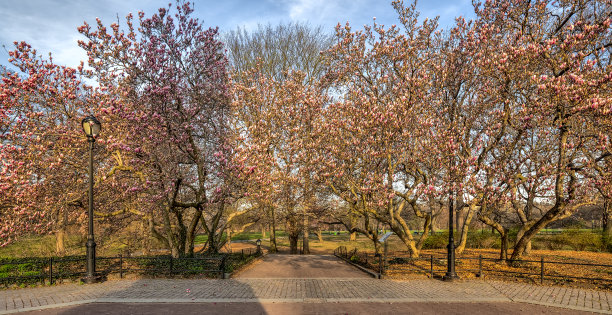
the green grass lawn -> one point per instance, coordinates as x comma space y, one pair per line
34, 246
244, 236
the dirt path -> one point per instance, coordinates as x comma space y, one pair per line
301, 266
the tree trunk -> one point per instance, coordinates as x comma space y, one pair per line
213, 242
191, 232
520, 234
464, 230
60, 241
560, 192
263, 231
319, 234
503, 233
146, 239
174, 251
273, 247
528, 248
293, 243
406, 238
504, 245
457, 219
353, 236
60, 238
401, 229
305, 244
521, 244
607, 225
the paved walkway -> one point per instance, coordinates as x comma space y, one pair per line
300, 281
301, 291
301, 266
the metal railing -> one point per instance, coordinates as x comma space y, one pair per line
49, 270
435, 267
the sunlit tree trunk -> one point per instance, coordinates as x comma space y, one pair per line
305, 244
464, 229
273, 247
319, 234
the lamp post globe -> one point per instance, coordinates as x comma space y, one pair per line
258, 243
91, 127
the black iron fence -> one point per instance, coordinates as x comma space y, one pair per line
365, 259
49, 270
436, 267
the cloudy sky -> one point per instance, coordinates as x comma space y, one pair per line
50, 25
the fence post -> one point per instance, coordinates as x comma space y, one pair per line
222, 266
51, 270
542, 271
431, 265
121, 266
385, 251
479, 266
171, 260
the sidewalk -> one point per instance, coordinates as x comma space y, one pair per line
320, 290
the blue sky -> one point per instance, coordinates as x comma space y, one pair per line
50, 25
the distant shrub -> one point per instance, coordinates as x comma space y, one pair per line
483, 239
574, 239
435, 241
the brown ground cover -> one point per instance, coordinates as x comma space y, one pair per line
560, 267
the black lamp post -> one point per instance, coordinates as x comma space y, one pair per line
450, 272
91, 127
258, 242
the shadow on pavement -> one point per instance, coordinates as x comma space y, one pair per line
307, 308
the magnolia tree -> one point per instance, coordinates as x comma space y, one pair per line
170, 80
266, 59
42, 147
375, 155
542, 64
276, 122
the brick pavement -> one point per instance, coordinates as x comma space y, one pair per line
301, 266
302, 280
319, 290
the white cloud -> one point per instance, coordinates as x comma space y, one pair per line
331, 12
50, 25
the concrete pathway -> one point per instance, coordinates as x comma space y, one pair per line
302, 267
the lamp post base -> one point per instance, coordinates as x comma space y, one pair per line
450, 277
93, 279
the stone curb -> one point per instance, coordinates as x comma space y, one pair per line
44, 307
304, 300
374, 274
572, 307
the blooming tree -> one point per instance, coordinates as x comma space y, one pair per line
171, 81
42, 145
